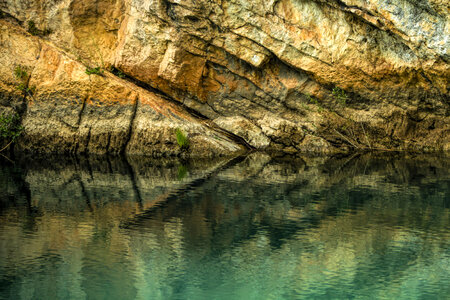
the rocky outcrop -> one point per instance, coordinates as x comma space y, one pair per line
66, 110
287, 75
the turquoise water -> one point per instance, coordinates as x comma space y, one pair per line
255, 227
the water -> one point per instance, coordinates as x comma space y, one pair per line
361, 227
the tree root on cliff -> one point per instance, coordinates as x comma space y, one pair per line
347, 139
363, 147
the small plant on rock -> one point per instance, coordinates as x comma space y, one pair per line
315, 101
22, 76
95, 71
120, 74
117, 72
182, 139
10, 128
312, 100
32, 29
340, 95
28, 90
47, 31
21, 73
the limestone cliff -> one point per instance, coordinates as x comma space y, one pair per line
282, 75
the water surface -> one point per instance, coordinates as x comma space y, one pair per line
357, 227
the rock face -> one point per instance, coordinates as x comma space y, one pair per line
282, 75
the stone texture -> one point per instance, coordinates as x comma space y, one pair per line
242, 127
72, 112
17, 49
269, 72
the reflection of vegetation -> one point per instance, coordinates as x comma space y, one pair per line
182, 139
347, 222
182, 172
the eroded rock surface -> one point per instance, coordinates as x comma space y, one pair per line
67, 110
288, 76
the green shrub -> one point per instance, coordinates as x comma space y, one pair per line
312, 100
23, 87
120, 74
315, 101
21, 73
22, 76
340, 95
182, 139
10, 127
46, 31
117, 72
32, 29
96, 71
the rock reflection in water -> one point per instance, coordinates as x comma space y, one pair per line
245, 228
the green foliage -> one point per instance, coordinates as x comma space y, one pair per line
315, 101
46, 31
98, 52
30, 90
120, 74
32, 29
305, 107
117, 72
182, 139
10, 127
20, 73
22, 87
312, 100
94, 53
96, 71
340, 95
